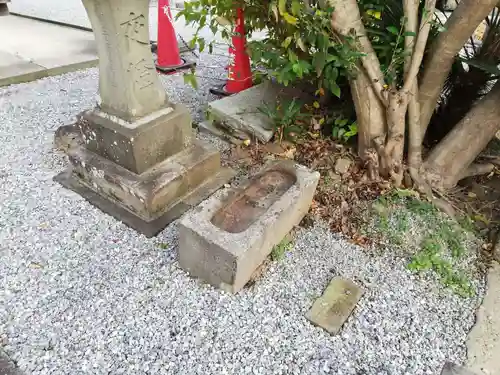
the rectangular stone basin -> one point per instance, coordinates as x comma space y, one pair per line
225, 239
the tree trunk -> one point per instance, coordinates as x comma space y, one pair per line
459, 27
367, 86
370, 113
449, 160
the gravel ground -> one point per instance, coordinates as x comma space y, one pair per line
80, 293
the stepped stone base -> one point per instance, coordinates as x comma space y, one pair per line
149, 201
145, 173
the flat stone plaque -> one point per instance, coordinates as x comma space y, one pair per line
331, 310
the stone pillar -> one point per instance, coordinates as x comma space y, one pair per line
128, 83
134, 155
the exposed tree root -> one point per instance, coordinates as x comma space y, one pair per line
477, 169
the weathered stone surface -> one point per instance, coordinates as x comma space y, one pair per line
167, 189
139, 145
7, 367
241, 111
331, 310
133, 156
128, 83
233, 137
228, 236
453, 369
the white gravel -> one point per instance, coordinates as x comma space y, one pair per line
80, 293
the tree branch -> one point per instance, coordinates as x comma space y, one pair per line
459, 27
448, 161
346, 21
477, 169
415, 139
419, 49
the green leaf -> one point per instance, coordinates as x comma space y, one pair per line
286, 42
332, 58
296, 8
297, 69
190, 79
223, 21
201, 44
203, 22
301, 44
192, 42
334, 74
289, 18
282, 6
393, 30
319, 61
292, 56
341, 122
335, 89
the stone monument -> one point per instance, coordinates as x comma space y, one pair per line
134, 155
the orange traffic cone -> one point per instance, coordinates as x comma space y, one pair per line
239, 71
169, 58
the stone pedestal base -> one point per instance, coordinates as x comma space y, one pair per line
149, 201
146, 173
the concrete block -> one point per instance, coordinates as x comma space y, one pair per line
332, 309
225, 239
241, 111
141, 144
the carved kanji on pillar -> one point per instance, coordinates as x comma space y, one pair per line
128, 83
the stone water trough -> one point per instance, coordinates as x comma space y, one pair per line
225, 239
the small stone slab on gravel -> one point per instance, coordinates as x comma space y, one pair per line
453, 369
332, 309
241, 111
